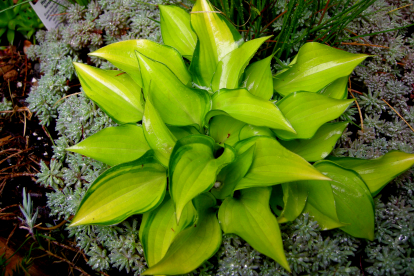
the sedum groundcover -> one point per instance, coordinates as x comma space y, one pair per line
385, 76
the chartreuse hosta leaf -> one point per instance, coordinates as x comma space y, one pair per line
216, 38
258, 79
170, 96
308, 111
114, 145
273, 164
249, 131
243, 106
353, 200
122, 191
338, 89
378, 172
230, 69
176, 30
158, 136
320, 145
225, 129
321, 204
194, 245
122, 55
183, 131
193, 168
316, 66
159, 227
294, 198
230, 175
249, 217
116, 93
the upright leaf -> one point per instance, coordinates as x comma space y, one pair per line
353, 200
380, 171
338, 89
193, 168
258, 79
317, 65
294, 198
159, 228
273, 164
114, 145
122, 55
307, 112
243, 106
158, 136
122, 191
321, 204
194, 245
225, 129
113, 91
320, 145
230, 69
177, 104
230, 175
216, 38
250, 218
176, 30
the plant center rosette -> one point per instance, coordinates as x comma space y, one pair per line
213, 152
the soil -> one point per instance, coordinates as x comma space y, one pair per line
23, 144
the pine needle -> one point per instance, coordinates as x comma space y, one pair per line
359, 109
66, 97
399, 115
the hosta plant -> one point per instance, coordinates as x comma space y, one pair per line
201, 148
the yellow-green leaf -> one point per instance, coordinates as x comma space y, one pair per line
159, 227
115, 92
122, 55
243, 106
258, 79
316, 66
158, 136
320, 145
216, 38
194, 245
230, 69
193, 168
307, 112
225, 129
122, 191
230, 175
380, 171
338, 89
114, 145
176, 30
273, 164
177, 104
249, 217
294, 198
353, 200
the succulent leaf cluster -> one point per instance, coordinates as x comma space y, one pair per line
188, 115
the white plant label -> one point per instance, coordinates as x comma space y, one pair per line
48, 10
